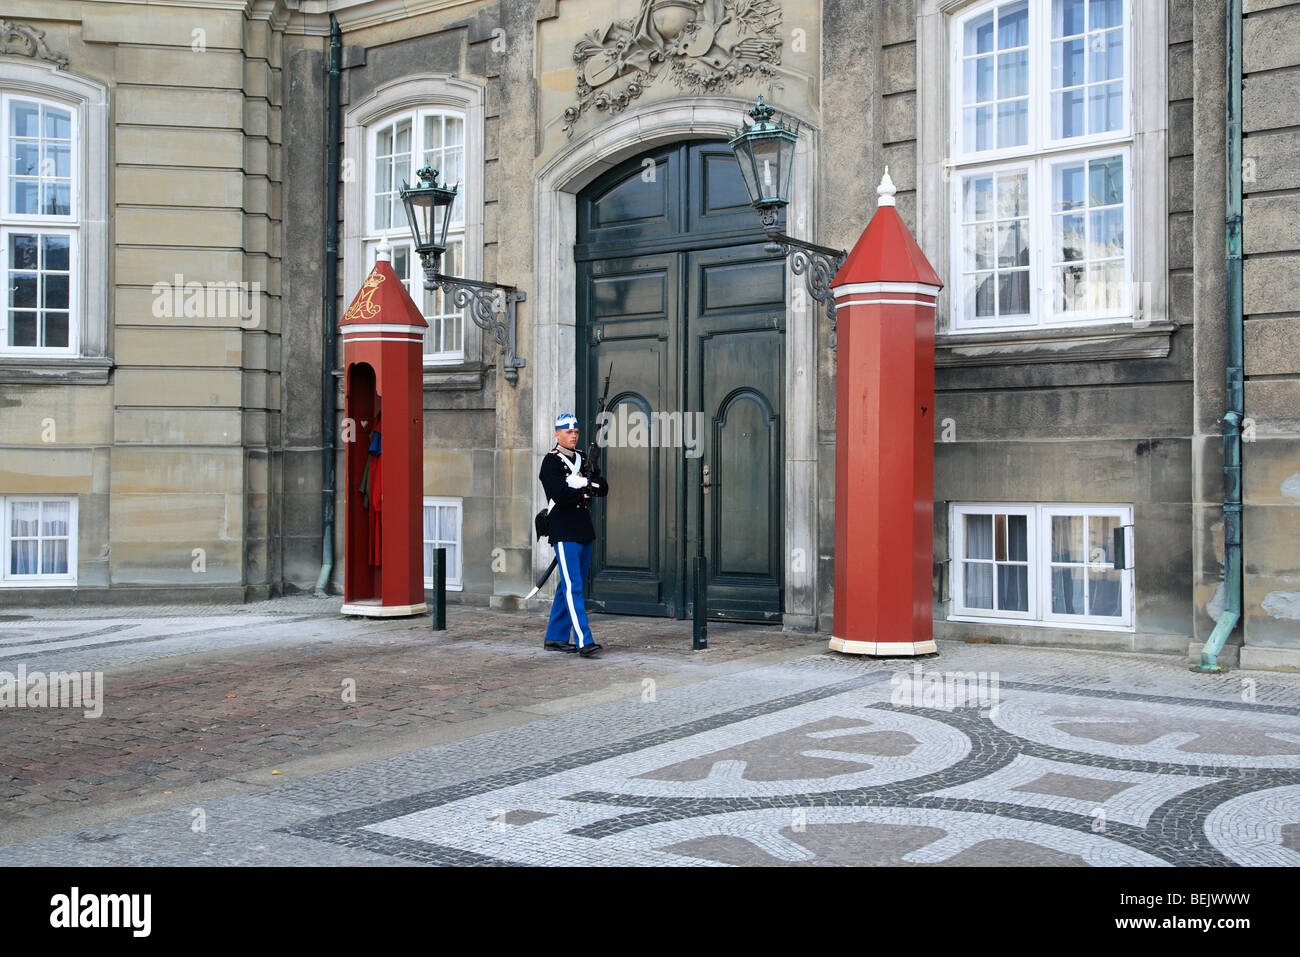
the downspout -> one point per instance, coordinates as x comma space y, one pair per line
1235, 398
330, 350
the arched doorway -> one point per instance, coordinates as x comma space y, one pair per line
674, 289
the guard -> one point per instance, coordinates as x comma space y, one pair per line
570, 486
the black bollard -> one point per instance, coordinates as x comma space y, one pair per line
701, 624
440, 589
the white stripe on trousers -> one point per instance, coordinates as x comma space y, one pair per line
568, 594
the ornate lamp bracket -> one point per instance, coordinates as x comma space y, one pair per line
817, 264
490, 304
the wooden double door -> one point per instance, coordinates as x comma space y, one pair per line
675, 292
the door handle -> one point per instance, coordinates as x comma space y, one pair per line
707, 482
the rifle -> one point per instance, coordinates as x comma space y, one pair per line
590, 467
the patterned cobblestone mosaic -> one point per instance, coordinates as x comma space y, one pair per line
840, 775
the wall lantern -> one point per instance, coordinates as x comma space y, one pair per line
429, 213
765, 154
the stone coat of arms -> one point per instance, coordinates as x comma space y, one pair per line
704, 46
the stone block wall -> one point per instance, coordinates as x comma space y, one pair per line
1271, 247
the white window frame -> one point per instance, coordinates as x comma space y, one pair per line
456, 569
8, 580
1039, 533
958, 592
424, 93
74, 270
939, 165
84, 358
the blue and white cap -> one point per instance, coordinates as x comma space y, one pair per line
566, 420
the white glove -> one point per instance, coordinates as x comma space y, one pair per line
576, 481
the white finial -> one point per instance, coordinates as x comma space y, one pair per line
885, 191
383, 254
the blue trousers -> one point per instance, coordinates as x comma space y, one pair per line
569, 612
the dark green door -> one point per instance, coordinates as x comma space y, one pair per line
675, 290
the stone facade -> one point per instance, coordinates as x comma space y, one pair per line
192, 442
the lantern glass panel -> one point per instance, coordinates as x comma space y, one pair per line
745, 160
767, 162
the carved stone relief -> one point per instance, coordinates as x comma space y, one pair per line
701, 46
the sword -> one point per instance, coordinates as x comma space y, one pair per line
592, 465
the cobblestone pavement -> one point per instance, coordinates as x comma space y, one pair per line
279, 733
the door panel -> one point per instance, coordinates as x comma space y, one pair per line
736, 321
631, 308
675, 290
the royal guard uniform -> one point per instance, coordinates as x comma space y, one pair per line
569, 490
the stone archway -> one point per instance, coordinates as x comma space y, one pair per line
556, 188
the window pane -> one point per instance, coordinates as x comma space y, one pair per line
1106, 51
23, 555
1104, 13
56, 330
25, 196
58, 123
1067, 18
22, 253
1067, 538
57, 199
1105, 104
1013, 195
1107, 234
977, 80
1072, 290
1013, 293
979, 585
1013, 244
1013, 587
55, 291
24, 519
26, 158
977, 127
1013, 74
24, 119
1104, 596
22, 328
979, 536
1067, 63
979, 246
1067, 114
1101, 538
979, 34
455, 131
55, 252
983, 291
1013, 123
1069, 237
1013, 25
432, 133
1107, 287
54, 557
977, 197
1067, 187
402, 143
22, 290
1018, 538
1067, 591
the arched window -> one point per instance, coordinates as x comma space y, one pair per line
423, 121
53, 249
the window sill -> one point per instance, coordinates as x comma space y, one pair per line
464, 377
1075, 344
60, 370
